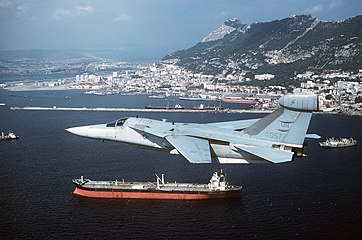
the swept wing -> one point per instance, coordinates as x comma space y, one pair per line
195, 150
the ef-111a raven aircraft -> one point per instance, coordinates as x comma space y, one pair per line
276, 138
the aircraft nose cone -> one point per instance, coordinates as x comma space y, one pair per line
80, 131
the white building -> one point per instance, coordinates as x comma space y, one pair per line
263, 77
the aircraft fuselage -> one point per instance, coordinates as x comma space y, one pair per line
274, 138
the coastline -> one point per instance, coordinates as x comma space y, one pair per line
24, 88
352, 110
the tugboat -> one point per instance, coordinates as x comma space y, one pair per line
10, 136
216, 188
338, 143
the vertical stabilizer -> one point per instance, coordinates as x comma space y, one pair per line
288, 124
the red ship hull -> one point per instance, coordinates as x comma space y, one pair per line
157, 194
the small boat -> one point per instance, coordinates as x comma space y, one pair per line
337, 143
9, 136
215, 189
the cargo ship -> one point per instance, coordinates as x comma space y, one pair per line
9, 136
338, 143
217, 188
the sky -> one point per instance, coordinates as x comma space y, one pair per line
151, 28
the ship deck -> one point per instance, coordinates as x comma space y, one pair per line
147, 186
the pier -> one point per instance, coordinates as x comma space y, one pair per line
102, 109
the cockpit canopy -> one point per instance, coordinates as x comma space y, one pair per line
118, 123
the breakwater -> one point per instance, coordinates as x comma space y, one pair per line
102, 109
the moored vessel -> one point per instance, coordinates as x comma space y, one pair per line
207, 108
337, 143
177, 106
9, 136
239, 101
216, 188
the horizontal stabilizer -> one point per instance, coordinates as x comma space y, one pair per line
312, 136
195, 150
269, 154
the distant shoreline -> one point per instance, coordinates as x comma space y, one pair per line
21, 86
26, 89
66, 86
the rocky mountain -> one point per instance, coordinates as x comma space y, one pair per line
282, 47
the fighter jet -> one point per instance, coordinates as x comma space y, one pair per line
276, 138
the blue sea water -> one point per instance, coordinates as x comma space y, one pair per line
315, 197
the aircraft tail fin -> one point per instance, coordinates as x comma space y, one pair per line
287, 125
